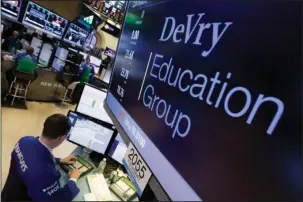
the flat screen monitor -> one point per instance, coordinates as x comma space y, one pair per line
45, 54
74, 57
89, 134
112, 9
36, 44
61, 53
44, 20
58, 64
11, 9
117, 149
95, 62
200, 96
91, 104
109, 52
75, 35
84, 55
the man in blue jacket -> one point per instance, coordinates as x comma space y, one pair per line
33, 173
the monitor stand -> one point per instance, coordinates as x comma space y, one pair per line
95, 158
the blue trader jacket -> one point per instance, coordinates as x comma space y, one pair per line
33, 175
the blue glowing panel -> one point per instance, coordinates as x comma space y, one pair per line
210, 93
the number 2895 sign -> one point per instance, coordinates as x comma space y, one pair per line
136, 168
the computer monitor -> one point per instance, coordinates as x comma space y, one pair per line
11, 9
211, 97
36, 44
75, 35
45, 54
109, 52
83, 54
89, 134
91, 103
58, 64
96, 62
117, 149
44, 20
61, 53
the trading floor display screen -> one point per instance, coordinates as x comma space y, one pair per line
11, 9
45, 54
213, 90
44, 20
75, 35
91, 104
112, 9
61, 53
109, 52
89, 134
118, 149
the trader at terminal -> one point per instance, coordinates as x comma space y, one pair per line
12, 44
33, 173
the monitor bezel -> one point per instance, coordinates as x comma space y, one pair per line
110, 157
39, 28
53, 68
104, 125
93, 118
70, 42
8, 16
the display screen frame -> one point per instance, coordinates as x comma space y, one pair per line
109, 111
43, 29
71, 42
7, 15
114, 134
93, 118
110, 156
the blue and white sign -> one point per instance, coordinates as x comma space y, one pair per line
136, 168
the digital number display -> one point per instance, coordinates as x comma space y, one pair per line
210, 94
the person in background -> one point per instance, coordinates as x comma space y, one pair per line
12, 44
29, 54
86, 71
33, 173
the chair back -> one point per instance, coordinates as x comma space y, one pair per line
26, 65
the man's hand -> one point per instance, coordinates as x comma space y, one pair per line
74, 174
68, 160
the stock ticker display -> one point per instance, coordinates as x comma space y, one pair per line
44, 20
211, 91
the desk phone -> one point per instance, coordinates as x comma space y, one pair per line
81, 164
124, 189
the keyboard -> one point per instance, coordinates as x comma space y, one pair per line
81, 164
98, 186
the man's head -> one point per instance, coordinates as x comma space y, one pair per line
55, 129
87, 60
30, 50
15, 34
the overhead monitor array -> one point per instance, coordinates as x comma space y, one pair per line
44, 20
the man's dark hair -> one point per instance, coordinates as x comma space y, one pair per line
30, 50
55, 126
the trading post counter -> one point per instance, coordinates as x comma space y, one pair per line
46, 87
82, 182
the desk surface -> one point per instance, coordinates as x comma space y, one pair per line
82, 182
